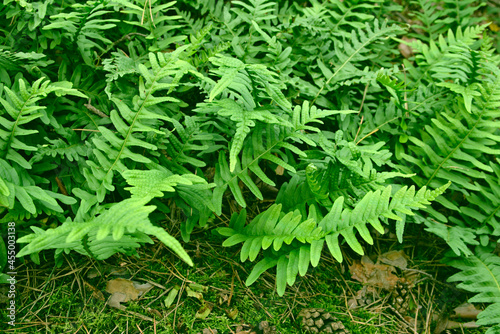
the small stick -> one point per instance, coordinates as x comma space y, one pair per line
61, 186
94, 109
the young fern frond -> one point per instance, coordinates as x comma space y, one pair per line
122, 228
298, 241
480, 274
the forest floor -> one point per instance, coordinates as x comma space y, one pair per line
211, 296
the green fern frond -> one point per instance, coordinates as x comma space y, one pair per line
255, 10
131, 122
84, 27
152, 183
162, 26
480, 274
352, 51
457, 147
456, 56
21, 108
182, 143
306, 237
266, 143
127, 222
436, 19
244, 80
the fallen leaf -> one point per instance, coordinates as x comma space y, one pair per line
494, 27
130, 288
232, 314
394, 258
116, 299
203, 312
380, 275
123, 290
404, 48
466, 311
172, 294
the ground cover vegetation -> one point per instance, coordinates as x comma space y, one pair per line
270, 140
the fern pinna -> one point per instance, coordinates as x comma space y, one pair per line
298, 241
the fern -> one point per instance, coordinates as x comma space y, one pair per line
126, 223
437, 20
110, 148
455, 145
84, 28
154, 17
266, 143
22, 108
480, 274
348, 53
298, 242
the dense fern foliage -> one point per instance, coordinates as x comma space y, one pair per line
115, 112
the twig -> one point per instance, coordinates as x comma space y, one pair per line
368, 135
359, 128
121, 39
364, 97
94, 109
61, 186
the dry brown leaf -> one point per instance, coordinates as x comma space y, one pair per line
465, 311
116, 299
380, 275
394, 258
123, 290
405, 49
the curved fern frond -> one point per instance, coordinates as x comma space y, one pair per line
122, 228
